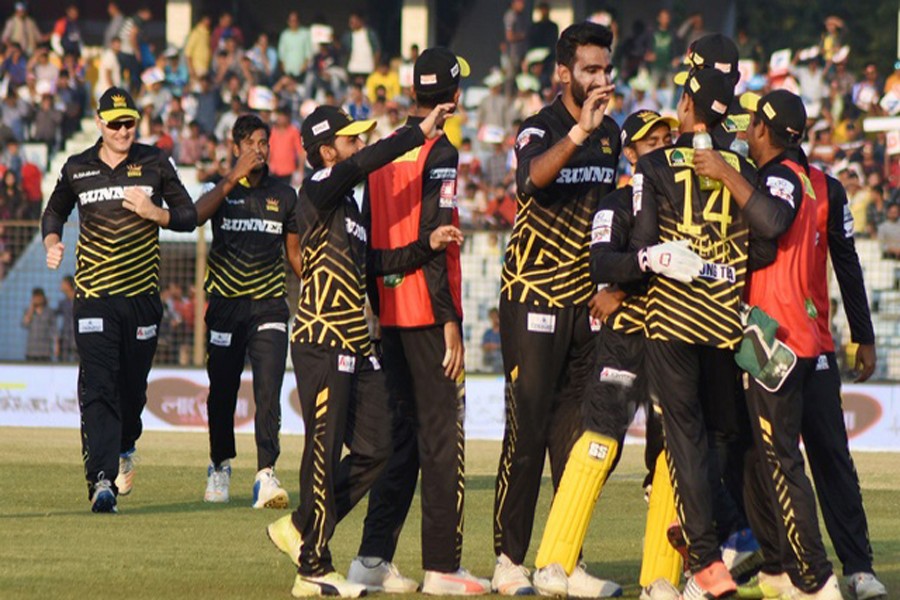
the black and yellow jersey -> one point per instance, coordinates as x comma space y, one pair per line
117, 252
546, 260
334, 237
612, 261
246, 258
669, 205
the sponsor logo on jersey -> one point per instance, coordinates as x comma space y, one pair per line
277, 326
601, 231
822, 363
443, 173
375, 364
235, 201
115, 192
586, 175
90, 325
146, 333
448, 194
718, 272
605, 146
220, 338
541, 323
256, 225
610, 375
84, 174
781, 188
393, 280
526, 135
637, 192
595, 323
323, 174
356, 230
346, 363
848, 222
272, 204
598, 451
134, 170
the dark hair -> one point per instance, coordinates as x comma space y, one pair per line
780, 139
245, 125
707, 116
314, 157
38, 291
581, 34
432, 99
69, 280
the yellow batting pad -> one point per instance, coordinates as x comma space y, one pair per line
660, 559
588, 465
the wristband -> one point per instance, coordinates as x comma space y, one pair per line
578, 135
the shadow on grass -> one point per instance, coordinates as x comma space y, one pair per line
125, 509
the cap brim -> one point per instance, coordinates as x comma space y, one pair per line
681, 78
357, 127
672, 122
464, 69
118, 113
750, 101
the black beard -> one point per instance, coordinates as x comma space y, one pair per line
579, 94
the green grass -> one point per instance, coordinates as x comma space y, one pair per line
166, 543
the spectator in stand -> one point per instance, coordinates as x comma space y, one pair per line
116, 18
192, 144
822, 147
811, 80
748, 48
47, 124
31, 187
858, 198
15, 114
208, 103
892, 83
889, 233
544, 33
197, 49
234, 88
289, 94
14, 66
491, 358
43, 68
875, 212
516, 26
72, 101
14, 204
324, 75
176, 72
21, 29
691, 30
867, 92
495, 109
66, 36
39, 321
130, 57
224, 30
5, 254
65, 340
496, 172
227, 61
361, 48
388, 122
263, 59
357, 105
383, 76
286, 155
634, 49
228, 118
661, 54
295, 49
831, 37
109, 71
161, 138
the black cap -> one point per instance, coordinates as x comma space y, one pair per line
710, 88
328, 121
714, 51
639, 124
437, 70
116, 103
780, 109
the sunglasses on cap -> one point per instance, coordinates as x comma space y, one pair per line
117, 125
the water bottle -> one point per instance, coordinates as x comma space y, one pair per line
703, 141
740, 146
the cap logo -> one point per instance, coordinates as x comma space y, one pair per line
695, 85
118, 101
719, 107
696, 59
455, 70
724, 67
770, 112
647, 116
428, 79
320, 128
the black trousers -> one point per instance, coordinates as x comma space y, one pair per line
617, 383
428, 433
547, 358
828, 452
696, 389
776, 420
236, 328
116, 340
344, 401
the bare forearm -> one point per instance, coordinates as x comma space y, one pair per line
209, 203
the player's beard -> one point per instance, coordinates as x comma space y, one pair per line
579, 93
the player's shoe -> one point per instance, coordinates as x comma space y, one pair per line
865, 586
661, 589
741, 554
710, 583
379, 575
103, 500
217, 482
458, 583
551, 581
125, 478
510, 579
830, 591
763, 585
286, 538
332, 584
267, 491
582, 584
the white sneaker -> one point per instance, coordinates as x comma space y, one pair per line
661, 589
379, 575
125, 478
551, 580
460, 583
865, 586
217, 482
332, 584
267, 491
584, 585
830, 591
510, 579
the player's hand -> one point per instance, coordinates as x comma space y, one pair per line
137, 201
454, 355
443, 236
674, 260
55, 255
246, 163
865, 361
431, 125
594, 107
605, 302
709, 163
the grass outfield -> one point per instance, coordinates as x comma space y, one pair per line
166, 543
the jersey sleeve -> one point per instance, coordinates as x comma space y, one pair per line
611, 259
59, 206
290, 218
644, 206
182, 213
532, 140
774, 203
846, 264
